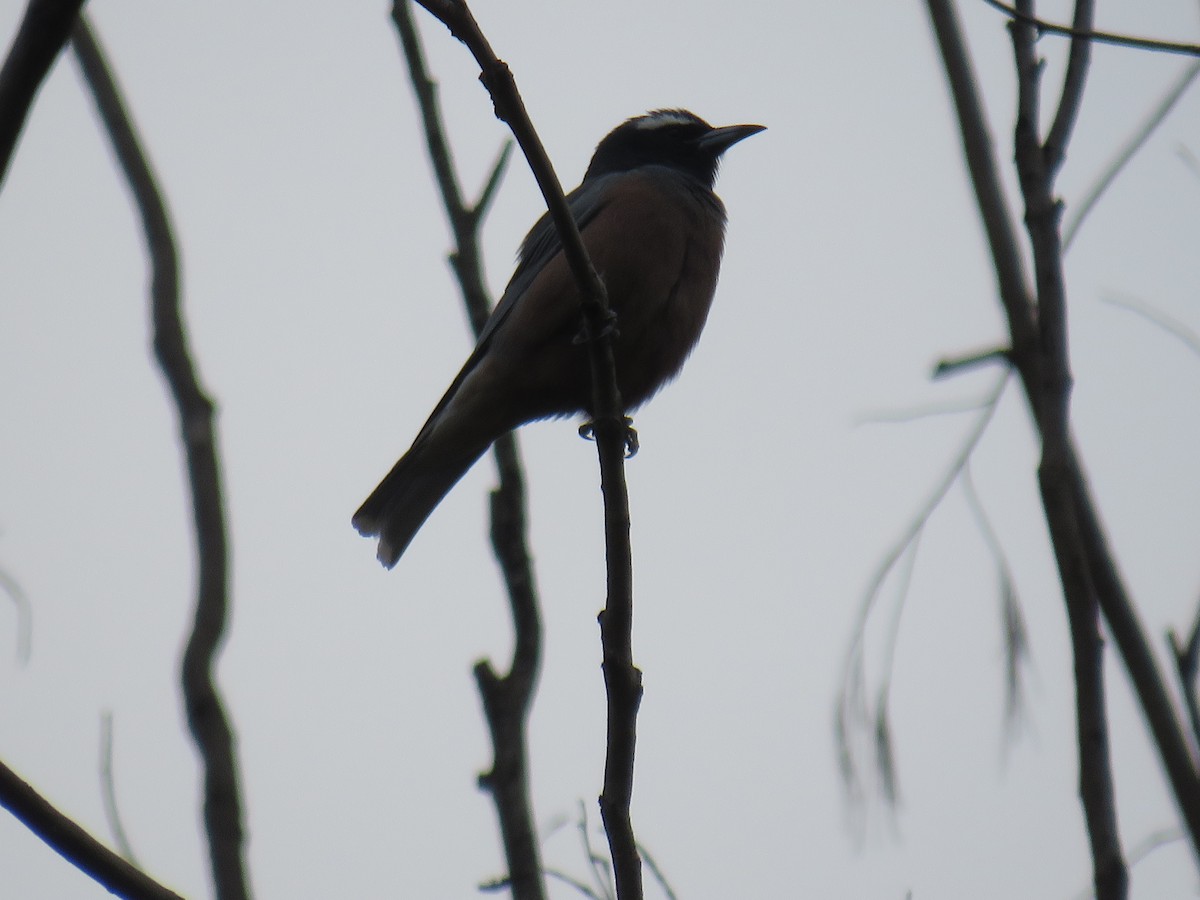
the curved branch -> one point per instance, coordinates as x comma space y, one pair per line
206, 715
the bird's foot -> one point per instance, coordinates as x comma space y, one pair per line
608, 329
587, 431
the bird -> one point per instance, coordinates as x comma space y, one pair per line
655, 233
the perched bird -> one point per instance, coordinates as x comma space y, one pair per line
655, 232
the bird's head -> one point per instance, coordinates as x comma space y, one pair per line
667, 137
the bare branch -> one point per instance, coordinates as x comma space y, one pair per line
44, 30
1012, 281
622, 679
74, 844
1097, 37
206, 715
506, 699
1135, 143
1073, 83
1050, 394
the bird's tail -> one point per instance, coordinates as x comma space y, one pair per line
398, 508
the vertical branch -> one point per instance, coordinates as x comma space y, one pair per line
507, 698
1036, 168
206, 716
1074, 524
621, 677
43, 32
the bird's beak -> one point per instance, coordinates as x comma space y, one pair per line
719, 140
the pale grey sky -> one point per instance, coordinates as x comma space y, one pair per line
325, 321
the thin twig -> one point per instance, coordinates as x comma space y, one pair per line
205, 712
12, 588
1095, 37
74, 844
43, 33
852, 706
108, 791
1172, 326
1016, 639
1135, 143
506, 699
622, 679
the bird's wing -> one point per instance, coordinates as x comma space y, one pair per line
540, 246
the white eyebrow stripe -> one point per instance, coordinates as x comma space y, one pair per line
658, 120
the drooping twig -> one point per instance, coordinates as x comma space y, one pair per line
1016, 637
506, 699
621, 678
1017, 14
1114, 599
206, 715
74, 844
43, 33
1135, 143
852, 705
108, 791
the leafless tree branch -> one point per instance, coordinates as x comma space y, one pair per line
74, 844
1037, 165
44, 30
1038, 353
1018, 14
506, 699
1135, 143
622, 679
205, 712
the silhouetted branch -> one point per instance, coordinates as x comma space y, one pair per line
1037, 165
1114, 600
206, 716
1127, 152
506, 699
74, 844
44, 30
621, 678
1085, 33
